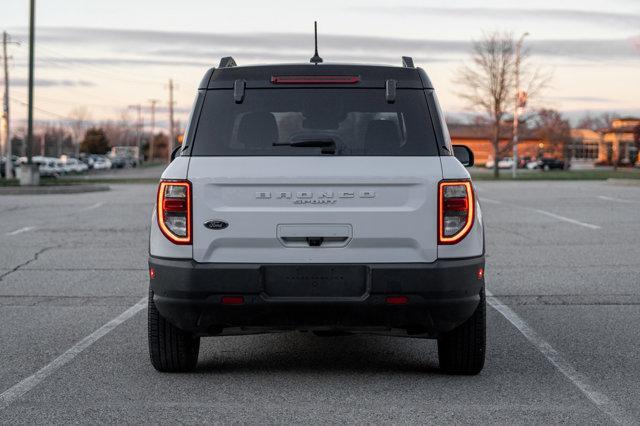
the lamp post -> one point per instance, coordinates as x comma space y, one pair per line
520, 100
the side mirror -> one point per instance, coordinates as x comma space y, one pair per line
463, 154
175, 152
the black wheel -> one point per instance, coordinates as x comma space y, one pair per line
461, 350
171, 349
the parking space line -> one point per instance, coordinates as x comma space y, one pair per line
579, 380
16, 391
489, 200
21, 230
546, 213
618, 200
567, 219
92, 207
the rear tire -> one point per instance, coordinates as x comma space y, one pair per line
171, 349
461, 351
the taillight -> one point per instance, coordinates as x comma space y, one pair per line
455, 211
174, 210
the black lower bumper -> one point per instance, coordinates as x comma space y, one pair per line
438, 296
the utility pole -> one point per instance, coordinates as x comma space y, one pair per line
6, 135
172, 135
153, 103
138, 108
520, 99
29, 173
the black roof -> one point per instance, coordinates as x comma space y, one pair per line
372, 76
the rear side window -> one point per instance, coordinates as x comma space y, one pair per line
354, 121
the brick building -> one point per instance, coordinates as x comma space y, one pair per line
588, 147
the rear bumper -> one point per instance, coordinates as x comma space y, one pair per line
440, 296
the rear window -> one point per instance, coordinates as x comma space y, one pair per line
352, 121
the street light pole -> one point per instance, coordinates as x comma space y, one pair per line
153, 103
516, 108
138, 108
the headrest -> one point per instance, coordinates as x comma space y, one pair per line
258, 130
381, 136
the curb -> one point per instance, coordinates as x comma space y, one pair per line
52, 189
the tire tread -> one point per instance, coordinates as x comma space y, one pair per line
170, 349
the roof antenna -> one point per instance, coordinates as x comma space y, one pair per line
316, 58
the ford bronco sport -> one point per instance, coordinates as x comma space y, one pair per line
321, 198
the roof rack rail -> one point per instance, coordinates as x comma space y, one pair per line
227, 62
407, 62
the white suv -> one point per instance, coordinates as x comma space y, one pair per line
322, 198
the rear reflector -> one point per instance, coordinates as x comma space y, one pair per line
232, 300
152, 273
315, 79
397, 300
480, 273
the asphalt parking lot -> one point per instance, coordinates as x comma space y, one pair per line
563, 268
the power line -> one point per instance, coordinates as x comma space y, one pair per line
40, 109
101, 70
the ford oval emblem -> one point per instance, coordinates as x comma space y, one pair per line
216, 224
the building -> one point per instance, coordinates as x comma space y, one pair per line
479, 139
619, 143
585, 147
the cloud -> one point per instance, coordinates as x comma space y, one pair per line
23, 82
590, 17
197, 49
124, 48
591, 99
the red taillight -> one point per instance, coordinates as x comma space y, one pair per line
174, 210
152, 273
455, 211
232, 300
315, 79
397, 300
481, 273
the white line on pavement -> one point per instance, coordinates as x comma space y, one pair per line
546, 213
489, 200
21, 230
579, 380
567, 219
92, 207
619, 200
16, 391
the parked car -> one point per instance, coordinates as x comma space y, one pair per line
523, 161
547, 164
504, 163
14, 163
283, 211
101, 163
73, 165
118, 162
47, 166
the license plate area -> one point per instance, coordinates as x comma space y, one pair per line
315, 281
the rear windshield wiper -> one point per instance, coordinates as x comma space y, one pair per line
328, 145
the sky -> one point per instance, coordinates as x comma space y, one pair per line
110, 55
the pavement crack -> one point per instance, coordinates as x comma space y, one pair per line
33, 259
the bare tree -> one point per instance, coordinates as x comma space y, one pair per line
80, 118
595, 122
552, 128
488, 81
